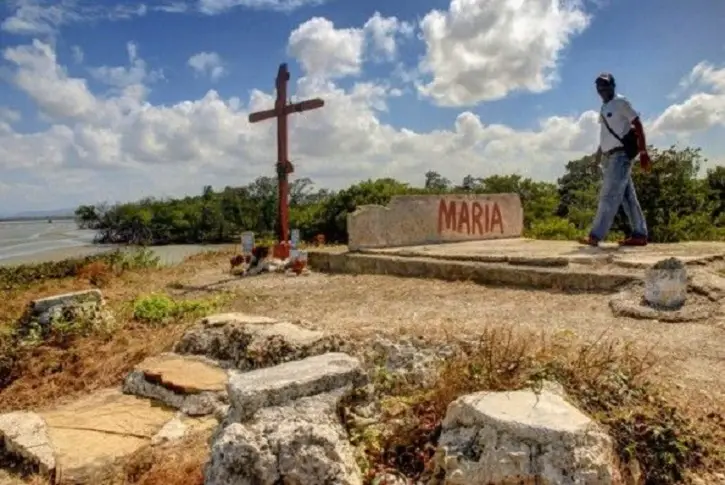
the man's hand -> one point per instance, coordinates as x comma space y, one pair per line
644, 161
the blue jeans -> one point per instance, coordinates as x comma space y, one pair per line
618, 189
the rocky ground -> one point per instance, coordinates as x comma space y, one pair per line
348, 379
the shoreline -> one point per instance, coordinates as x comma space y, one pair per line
169, 254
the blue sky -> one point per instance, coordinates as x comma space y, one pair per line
112, 101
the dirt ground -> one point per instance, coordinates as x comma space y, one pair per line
692, 354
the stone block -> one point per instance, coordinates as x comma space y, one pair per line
275, 386
42, 305
522, 437
301, 442
422, 219
193, 384
25, 435
244, 342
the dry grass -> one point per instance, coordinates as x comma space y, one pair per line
46, 374
177, 464
608, 379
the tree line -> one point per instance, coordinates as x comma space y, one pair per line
679, 205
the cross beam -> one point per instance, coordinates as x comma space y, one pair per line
284, 167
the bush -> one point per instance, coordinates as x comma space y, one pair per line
159, 309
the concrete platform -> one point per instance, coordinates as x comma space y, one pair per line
521, 262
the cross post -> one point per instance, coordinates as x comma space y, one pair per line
284, 167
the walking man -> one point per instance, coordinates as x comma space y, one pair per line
621, 139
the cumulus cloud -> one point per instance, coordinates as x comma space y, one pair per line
703, 109
329, 52
136, 73
209, 64
481, 50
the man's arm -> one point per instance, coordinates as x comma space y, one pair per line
633, 118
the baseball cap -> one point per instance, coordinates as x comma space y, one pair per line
605, 79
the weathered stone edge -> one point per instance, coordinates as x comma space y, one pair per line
494, 274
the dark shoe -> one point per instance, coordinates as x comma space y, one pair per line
634, 241
589, 241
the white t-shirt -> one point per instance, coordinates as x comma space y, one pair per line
619, 114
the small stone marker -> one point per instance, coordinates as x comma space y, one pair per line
247, 242
423, 219
665, 284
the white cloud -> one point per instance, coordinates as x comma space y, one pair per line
383, 32
207, 63
213, 7
701, 110
135, 73
328, 52
44, 17
481, 50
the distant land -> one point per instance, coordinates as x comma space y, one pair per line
38, 214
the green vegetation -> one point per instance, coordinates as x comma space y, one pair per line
677, 203
159, 309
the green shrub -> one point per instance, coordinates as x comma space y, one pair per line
159, 309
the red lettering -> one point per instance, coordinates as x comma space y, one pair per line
447, 215
476, 216
496, 217
463, 218
486, 221
480, 219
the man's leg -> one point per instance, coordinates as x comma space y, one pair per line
616, 176
636, 218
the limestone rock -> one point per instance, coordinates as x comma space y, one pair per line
25, 435
193, 384
84, 309
521, 437
94, 431
274, 386
412, 359
42, 305
301, 443
666, 284
249, 342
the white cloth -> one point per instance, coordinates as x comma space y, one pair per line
619, 114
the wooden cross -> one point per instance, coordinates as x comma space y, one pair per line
284, 167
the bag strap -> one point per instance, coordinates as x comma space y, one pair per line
610, 129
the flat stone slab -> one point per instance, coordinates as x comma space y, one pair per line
90, 433
523, 250
193, 384
184, 374
421, 219
278, 385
